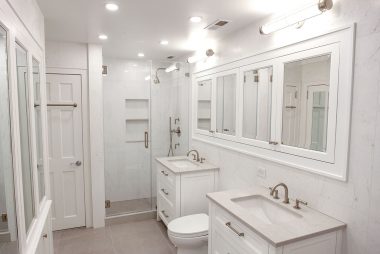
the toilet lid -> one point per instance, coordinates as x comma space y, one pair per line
189, 226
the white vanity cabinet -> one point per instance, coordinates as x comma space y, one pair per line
182, 190
235, 230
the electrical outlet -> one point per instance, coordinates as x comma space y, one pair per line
262, 172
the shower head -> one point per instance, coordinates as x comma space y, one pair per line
156, 80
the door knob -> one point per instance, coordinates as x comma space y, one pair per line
77, 163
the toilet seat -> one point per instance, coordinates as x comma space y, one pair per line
191, 226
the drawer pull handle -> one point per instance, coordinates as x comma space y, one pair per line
165, 192
163, 213
164, 173
228, 224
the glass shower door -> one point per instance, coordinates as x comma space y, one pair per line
127, 143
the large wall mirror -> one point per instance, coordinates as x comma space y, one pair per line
8, 228
25, 141
289, 105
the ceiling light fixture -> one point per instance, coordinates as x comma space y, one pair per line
140, 54
196, 19
164, 42
198, 57
103, 37
112, 7
297, 17
173, 67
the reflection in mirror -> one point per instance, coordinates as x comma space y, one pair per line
306, 100
257, 101
37, 116
8, 229
22, 87
204, 104
226, 104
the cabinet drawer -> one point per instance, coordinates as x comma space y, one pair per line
166, 192
230, 227
165, 210
165, 175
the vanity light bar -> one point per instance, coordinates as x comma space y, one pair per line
298, 17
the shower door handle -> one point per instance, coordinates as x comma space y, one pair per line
146, 140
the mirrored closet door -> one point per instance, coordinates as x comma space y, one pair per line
8, 226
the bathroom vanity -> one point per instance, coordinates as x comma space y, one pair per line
182, 185
251, 221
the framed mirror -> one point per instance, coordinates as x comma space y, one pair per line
257, 103
8, 225
25, 141
305, 106
226, 104
204, 104
38, 127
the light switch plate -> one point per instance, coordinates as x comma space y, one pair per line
262, 172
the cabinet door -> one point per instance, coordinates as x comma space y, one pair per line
221, 245
203, 105
257, 114
226, 98
308, 109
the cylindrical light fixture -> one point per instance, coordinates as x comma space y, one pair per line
295, 18
173, 67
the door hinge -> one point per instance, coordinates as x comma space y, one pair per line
4, 217
108, 204
257, 79
271, 78
245, 78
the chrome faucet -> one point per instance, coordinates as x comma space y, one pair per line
286, 199
196, 157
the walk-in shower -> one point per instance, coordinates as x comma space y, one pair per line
136, 114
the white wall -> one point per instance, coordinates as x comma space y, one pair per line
357, 201
32, 18
66, 55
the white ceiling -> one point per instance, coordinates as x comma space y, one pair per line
139, 25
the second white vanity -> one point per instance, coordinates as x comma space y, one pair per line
182, 185
252, 222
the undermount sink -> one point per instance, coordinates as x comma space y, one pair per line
266, 210
183, 163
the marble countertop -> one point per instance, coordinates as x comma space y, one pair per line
312, 222
167, 162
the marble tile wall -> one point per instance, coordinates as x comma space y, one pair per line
357, 201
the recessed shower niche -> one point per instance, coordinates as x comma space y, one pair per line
137, 120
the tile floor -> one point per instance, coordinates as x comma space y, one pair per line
8, 248
142, 237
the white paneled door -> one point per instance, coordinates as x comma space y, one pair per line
66, 150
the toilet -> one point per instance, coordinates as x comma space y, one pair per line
190, 234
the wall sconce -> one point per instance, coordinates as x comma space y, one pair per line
297, 18
198, 57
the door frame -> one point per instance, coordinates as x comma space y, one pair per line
85, 136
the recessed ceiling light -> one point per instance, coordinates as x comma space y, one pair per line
164, 42
140, 54
103, 37
196, 19
112, 7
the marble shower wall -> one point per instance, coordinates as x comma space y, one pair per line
357, 201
